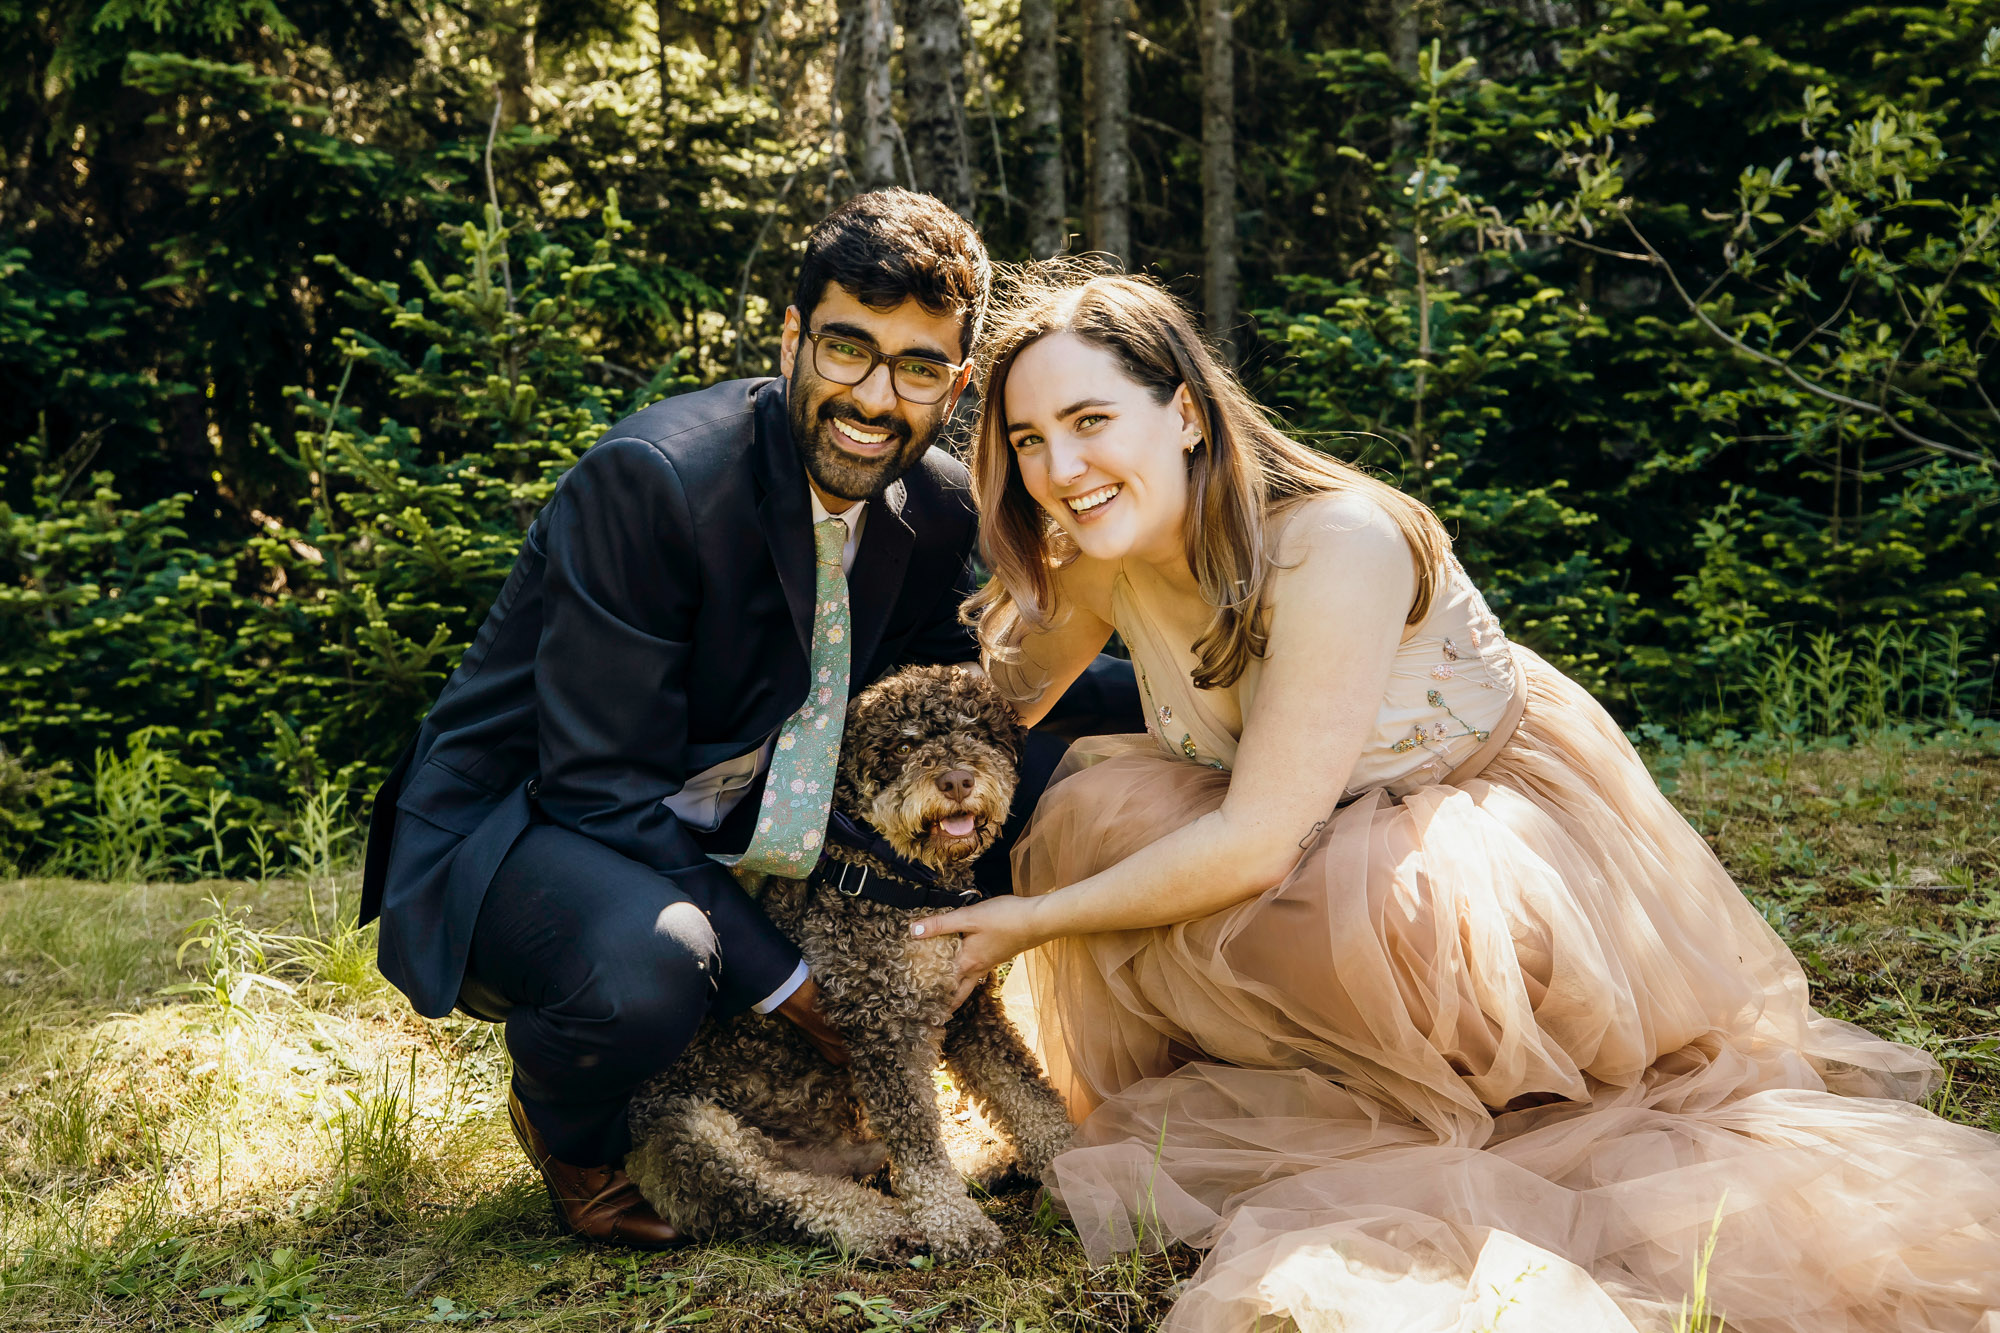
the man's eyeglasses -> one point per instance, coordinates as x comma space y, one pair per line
921, 380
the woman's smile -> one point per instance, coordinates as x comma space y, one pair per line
1091, 505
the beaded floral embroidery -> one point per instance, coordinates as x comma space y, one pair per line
1165, 713
1424, 735
1437, 733
1448, 668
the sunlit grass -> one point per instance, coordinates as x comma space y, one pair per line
212, 1115
185, 1146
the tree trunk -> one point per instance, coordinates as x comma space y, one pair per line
513, 28
861, 78
751, 51
1405, 36
1405, 25
1110, 116
663, 16
1218, 171
1041, 117
934, 100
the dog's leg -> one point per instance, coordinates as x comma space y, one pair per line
893, 1081
705, 1171
987, 1058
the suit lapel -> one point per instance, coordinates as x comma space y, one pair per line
783, 514
877, 580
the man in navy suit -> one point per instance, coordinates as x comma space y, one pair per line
543, 855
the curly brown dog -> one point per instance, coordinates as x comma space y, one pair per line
752, 1130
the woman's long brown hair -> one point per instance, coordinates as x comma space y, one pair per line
1244, 471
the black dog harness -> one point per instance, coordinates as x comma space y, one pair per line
907, 884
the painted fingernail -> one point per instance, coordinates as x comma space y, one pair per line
917, 928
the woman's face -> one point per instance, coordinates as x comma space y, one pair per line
1098, 453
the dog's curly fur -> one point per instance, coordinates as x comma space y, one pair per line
753, 1130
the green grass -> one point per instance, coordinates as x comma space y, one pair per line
1880, 866
210, 1116
214, 1114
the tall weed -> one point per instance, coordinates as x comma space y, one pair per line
63, 1122
372, 1142
334, 950
322, 831
133, 799
1868, 681
237, 963
1696, 1314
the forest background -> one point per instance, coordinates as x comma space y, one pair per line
1681, 317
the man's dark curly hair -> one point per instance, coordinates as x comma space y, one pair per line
890, 246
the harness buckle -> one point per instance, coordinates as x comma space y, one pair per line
854, 892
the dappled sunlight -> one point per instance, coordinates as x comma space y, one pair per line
284, 1110
207, 1088
295, 1102
204, 1100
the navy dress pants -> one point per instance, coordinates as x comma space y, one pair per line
601, 968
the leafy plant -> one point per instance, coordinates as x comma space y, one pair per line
26, 796
237, 962
134, 797
278, 1286
880, 1313
411, 521
1416, 361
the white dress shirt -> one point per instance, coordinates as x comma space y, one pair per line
706, 798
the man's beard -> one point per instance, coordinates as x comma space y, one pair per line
832, 468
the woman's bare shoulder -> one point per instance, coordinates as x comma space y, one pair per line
1340, 531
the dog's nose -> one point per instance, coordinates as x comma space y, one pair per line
956, 784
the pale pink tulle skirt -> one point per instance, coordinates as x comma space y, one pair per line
1313, 1084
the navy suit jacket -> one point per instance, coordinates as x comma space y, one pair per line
656, 623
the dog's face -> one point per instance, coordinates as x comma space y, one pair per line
928, 759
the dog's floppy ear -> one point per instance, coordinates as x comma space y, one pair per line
1008, 728
1002, 722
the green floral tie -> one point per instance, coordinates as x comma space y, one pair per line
798, 794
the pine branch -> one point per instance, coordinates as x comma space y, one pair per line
1876, 410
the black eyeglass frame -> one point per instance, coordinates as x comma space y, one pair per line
876, 357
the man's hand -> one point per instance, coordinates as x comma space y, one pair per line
802, 1007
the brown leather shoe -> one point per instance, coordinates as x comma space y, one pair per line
595, 1202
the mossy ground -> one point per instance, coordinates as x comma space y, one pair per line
313, 1156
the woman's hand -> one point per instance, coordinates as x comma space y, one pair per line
989, 934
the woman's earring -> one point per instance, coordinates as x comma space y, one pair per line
1191, 445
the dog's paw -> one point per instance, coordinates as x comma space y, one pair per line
898, 1248
966, 1234
998, 1174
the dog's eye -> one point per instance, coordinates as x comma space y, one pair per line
904, 749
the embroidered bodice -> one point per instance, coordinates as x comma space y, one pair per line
1450, 687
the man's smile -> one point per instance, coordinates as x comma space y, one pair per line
858, 438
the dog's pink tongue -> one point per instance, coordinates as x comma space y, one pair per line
959, 825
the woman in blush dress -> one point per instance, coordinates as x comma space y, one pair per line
1381, 969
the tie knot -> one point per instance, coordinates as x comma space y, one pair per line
830, 535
